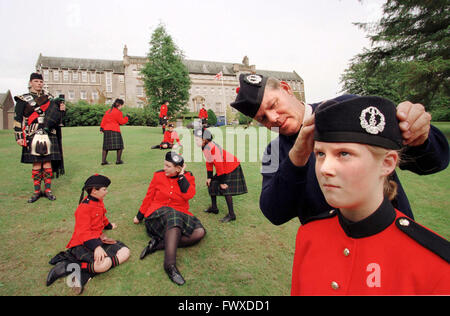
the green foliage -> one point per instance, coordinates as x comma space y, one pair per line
85, 114
244, 119
409, 57
212, 118
166, 78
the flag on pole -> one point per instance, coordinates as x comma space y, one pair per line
218, 76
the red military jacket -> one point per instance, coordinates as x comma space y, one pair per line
112, 120
223, 161
163, 110
170, 137
174, 192
90, 221
203, 113
384, 254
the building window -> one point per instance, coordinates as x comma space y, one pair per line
108, 76
83, 95
46, 75
75, 76
66, 75
92, 74
140, 91
84, 76
71, 95
55, 75
94, 95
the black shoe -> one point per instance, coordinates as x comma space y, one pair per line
120, 162
211, 210
156, 147
228, 218
150, 248
58, 271
105, 163
49, 195
35, 197
174, 275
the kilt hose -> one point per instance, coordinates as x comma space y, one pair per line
112, 140
83, 254
236, 184
55, 152
166, 218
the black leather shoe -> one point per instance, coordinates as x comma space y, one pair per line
58, 271
105, 163
174, 275
212, 210
120, 162
150, 248
49, 195
34, 197
228, 218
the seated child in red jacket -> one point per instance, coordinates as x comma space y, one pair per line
89, 247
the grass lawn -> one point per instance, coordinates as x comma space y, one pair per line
249, 257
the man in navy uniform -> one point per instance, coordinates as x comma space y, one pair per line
290, 188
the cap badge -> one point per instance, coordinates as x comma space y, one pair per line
376, 122
176, 158
253, 79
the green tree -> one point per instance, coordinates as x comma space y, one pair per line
166, 78
409, 57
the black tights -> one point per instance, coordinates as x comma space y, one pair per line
105, 154
228, 199
173, 239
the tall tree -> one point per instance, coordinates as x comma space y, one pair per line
410, 45
166, 78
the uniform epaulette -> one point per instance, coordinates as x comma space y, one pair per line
190, 173
323, 215
428, 239
86, 201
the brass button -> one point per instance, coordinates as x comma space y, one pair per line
334, 285
346, 252
403, 222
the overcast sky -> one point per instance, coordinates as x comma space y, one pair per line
315, 38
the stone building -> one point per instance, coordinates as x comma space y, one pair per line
102, 81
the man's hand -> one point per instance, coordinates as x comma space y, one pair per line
223, 186
20, 142
208, 182
414, 123
304, 144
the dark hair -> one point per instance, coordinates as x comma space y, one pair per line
89, 190
116, 103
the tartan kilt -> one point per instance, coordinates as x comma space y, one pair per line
55, 151
166, 218
112, 140
236, 184
81, 253
162, 121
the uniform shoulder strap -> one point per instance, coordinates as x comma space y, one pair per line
428, 239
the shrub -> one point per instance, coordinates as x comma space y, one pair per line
212, 118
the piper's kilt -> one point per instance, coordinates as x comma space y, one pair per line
81, 253
166, 218
236, 184
55, 152
162, 121
112, 140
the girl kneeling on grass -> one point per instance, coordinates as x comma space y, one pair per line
89, 248
364, 246
166, 211
229, 179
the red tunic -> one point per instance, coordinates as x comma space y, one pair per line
170, 137
223, 161
165, 191
203, 114
112, 120
90, 221
373, 257
163, 110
